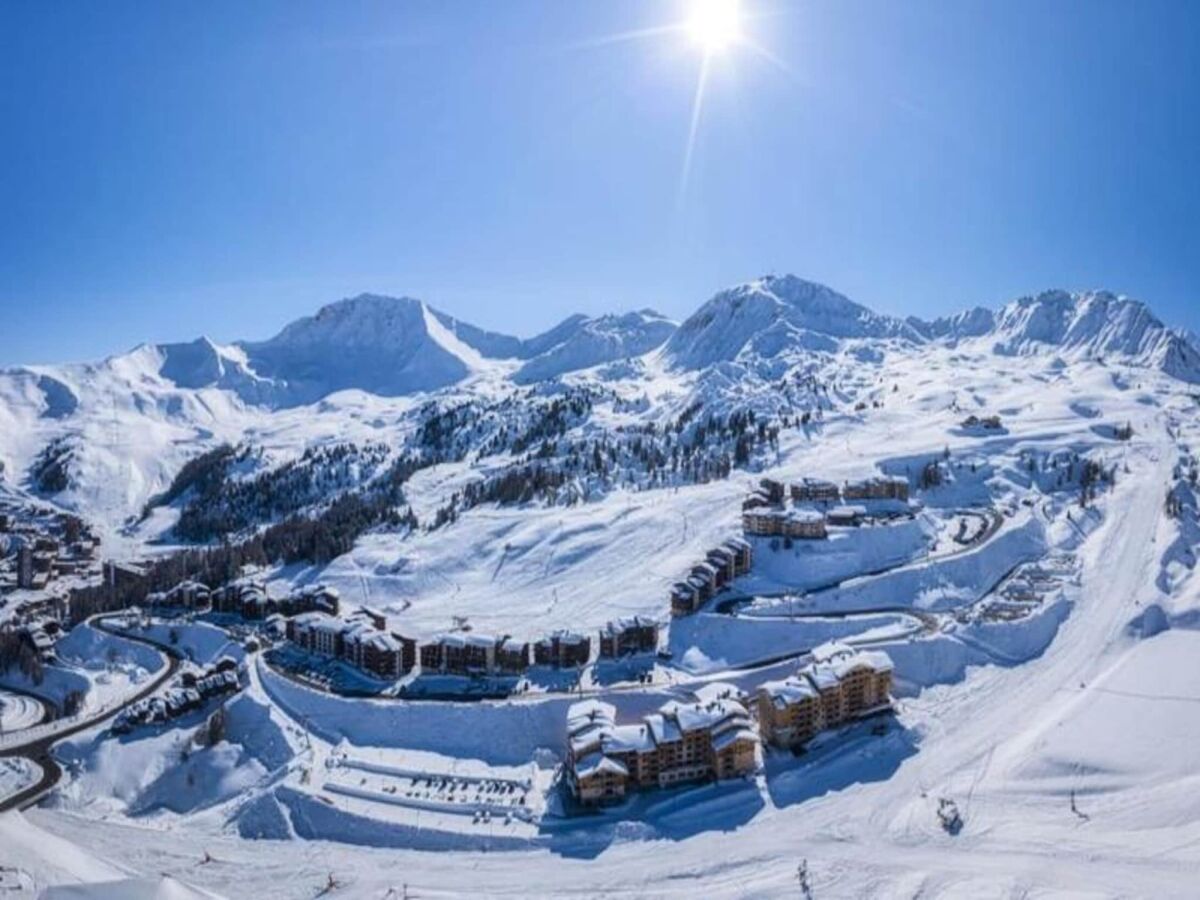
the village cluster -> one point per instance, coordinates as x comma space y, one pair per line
1022, 592
191, 691
42, 553
41, 547
816, 505
313, 619
716, 734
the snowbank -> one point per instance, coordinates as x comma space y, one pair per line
200, 642
709, 642
847, 553
940, 584
501, 733
91, 648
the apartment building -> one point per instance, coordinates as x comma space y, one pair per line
711, 737
839, 684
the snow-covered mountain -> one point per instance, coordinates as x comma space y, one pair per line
395, 346
383, 345
586, 342
1088, 325
773, 314
1094, 324
770, 346
970, 323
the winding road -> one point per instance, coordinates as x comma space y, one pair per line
38, 748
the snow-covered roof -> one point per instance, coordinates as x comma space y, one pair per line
823, 483
629, 623
663, 729
589, 737
718, 690
381, 641
589, 712
696, 716
789, 691
876, 660
628, 738
597, 763
822, 675
805, 516
564, 636
831, 649
733, 736
319, 621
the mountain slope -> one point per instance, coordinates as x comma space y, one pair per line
1094, 324
767, 316
590, 342
387, 346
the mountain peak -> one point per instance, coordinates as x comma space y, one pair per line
769, 314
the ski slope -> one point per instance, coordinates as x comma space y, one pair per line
1066, 737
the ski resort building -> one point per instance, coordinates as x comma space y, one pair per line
839, 685
846, 516
358, 641
773, 489
685, 598
381, 653
563, 650
756, 500
881, 487
623, 637
188, 595
512, 656
722, 564
461, 653
250, 601
711, 738
815, 490
313, 598
742, 553
805, 524
317, 633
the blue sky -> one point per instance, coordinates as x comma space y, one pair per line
173, 169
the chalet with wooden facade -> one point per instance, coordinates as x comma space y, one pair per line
563, 650
512, 656
880, 487
251, 601
624, 637
839, 685
846, 516
774, 490
721, 565
468, 653
708, 738
187, 595
357, 640
815, 490
804, 524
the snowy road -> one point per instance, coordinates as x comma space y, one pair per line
36, 744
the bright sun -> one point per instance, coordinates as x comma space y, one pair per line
713, 24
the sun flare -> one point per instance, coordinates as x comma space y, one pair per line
713, 24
